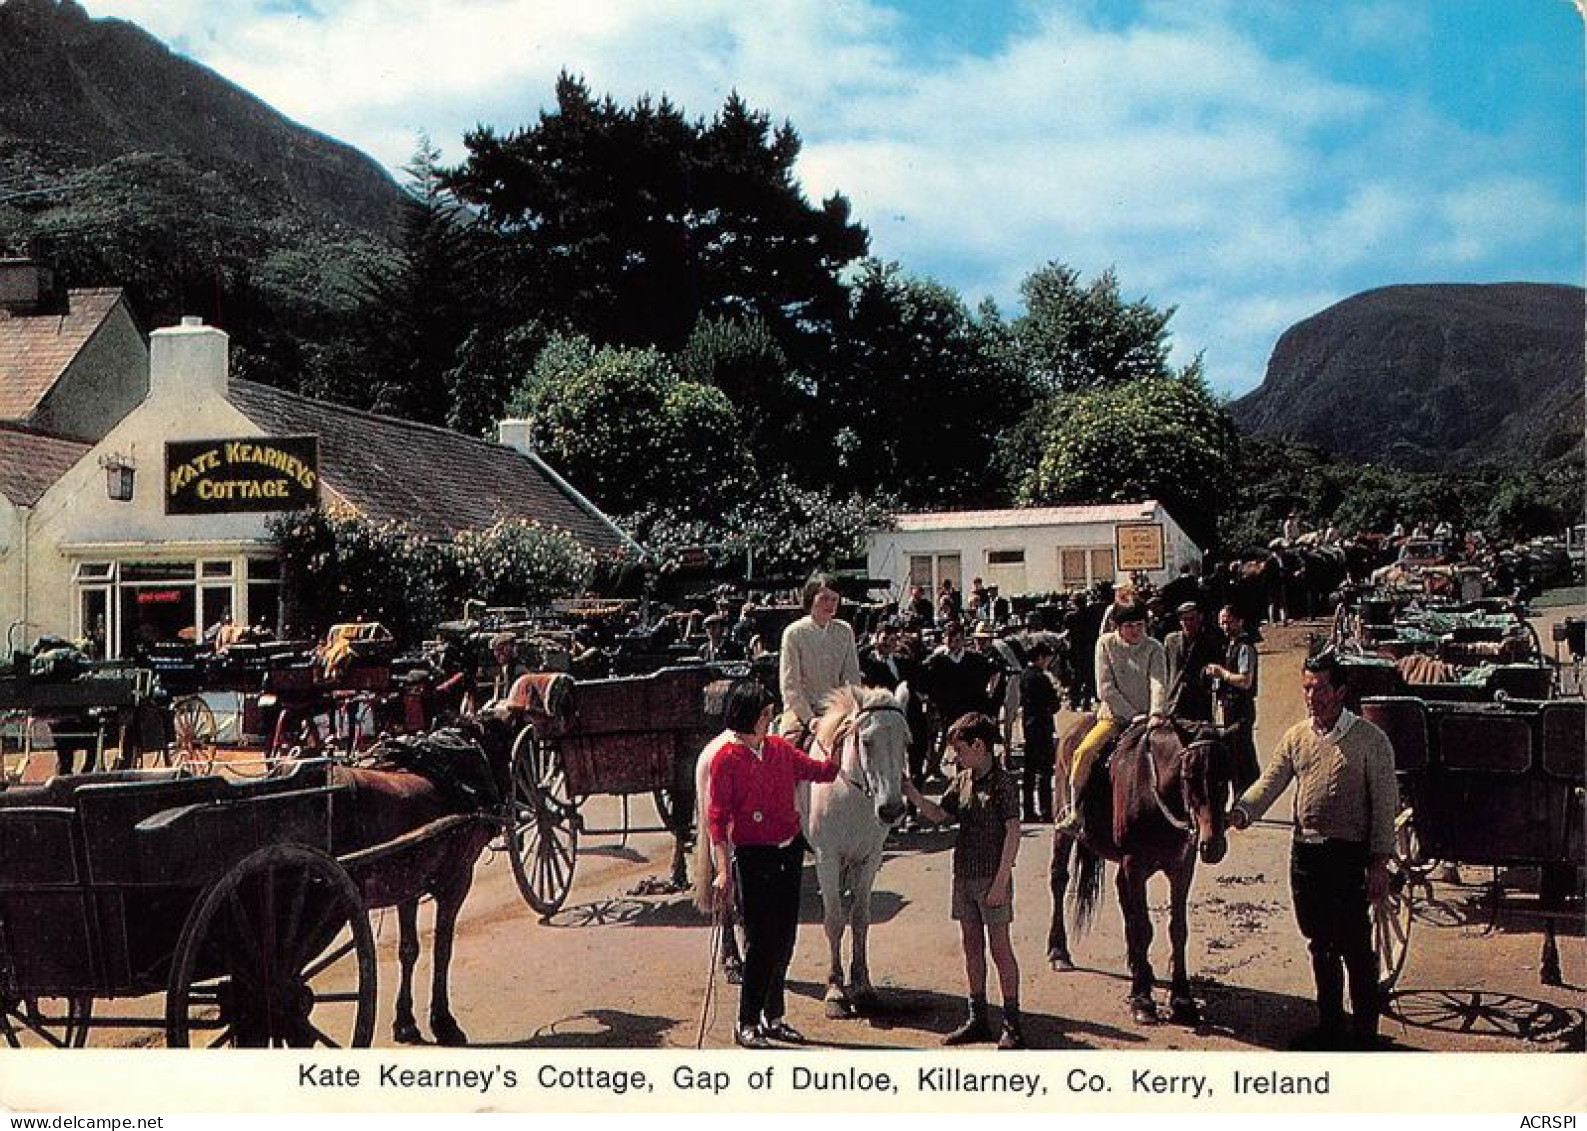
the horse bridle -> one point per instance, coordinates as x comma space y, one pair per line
1184, 784
852, 730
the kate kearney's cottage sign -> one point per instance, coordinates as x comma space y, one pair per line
258, 473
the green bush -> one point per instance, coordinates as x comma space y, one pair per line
347, 567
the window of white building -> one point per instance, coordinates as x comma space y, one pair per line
1080, 567
1005, 569
126, 604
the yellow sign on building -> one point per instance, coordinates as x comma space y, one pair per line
1140, 546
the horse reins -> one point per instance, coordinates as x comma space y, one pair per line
1184, 783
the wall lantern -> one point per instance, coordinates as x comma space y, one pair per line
120, 472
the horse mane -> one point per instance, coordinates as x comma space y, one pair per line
841, 706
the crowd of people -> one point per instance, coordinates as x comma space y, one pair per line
964, 672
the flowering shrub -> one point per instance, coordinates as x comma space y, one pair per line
340, 567
780, 527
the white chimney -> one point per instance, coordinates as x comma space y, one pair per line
517, 434
188, 361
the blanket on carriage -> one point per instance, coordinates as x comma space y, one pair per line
454, 762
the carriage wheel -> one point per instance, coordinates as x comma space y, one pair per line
193, 734
277, 954
543, 841
1391, 926
1409, 856
61, 1023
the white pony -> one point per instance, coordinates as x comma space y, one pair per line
846, 822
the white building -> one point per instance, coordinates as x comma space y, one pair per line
1031, 550
155, 524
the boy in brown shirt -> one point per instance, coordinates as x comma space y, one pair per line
984, 798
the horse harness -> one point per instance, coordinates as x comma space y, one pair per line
850, 729
1183, 825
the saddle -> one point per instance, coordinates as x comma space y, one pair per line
451, 761
1121, 748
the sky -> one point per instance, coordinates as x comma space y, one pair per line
1245, 162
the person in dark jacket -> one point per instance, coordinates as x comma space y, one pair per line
1038, 706
1190, 650
956, 679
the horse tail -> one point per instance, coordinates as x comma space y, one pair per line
704, 863
1086, 896
704, 866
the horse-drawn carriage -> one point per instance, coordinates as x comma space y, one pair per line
245, 901
1466, 652
1491, 784
109, 706
222, 895
625, 736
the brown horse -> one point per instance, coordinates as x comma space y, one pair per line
1158, 803
422, 838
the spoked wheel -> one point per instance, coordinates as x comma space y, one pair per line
1409, 856
543, 841
1391, 926
45, 1022
277, 954
193, 734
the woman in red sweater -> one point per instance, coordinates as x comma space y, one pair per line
754, 830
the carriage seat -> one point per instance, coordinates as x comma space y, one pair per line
58, 791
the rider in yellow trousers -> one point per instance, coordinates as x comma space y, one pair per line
1132, 681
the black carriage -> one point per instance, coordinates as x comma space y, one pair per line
1489, 784
111, 706
221, 895
626, 736
195, 675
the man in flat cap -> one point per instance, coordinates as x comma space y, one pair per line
1191, 648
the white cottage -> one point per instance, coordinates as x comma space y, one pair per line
158, 525
1032, 549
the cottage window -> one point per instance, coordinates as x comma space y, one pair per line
126, 607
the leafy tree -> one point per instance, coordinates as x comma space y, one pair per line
773, 403
624, 426
919, 392
632, 223
420, 309
489, 365
1074, 337
1157, 437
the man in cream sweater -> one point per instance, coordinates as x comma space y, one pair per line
1346, 797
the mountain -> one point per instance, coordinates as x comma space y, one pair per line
1433, 377
78, 93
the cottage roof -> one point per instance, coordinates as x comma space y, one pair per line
1027, 516
35, 349
30, 461
435, 480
